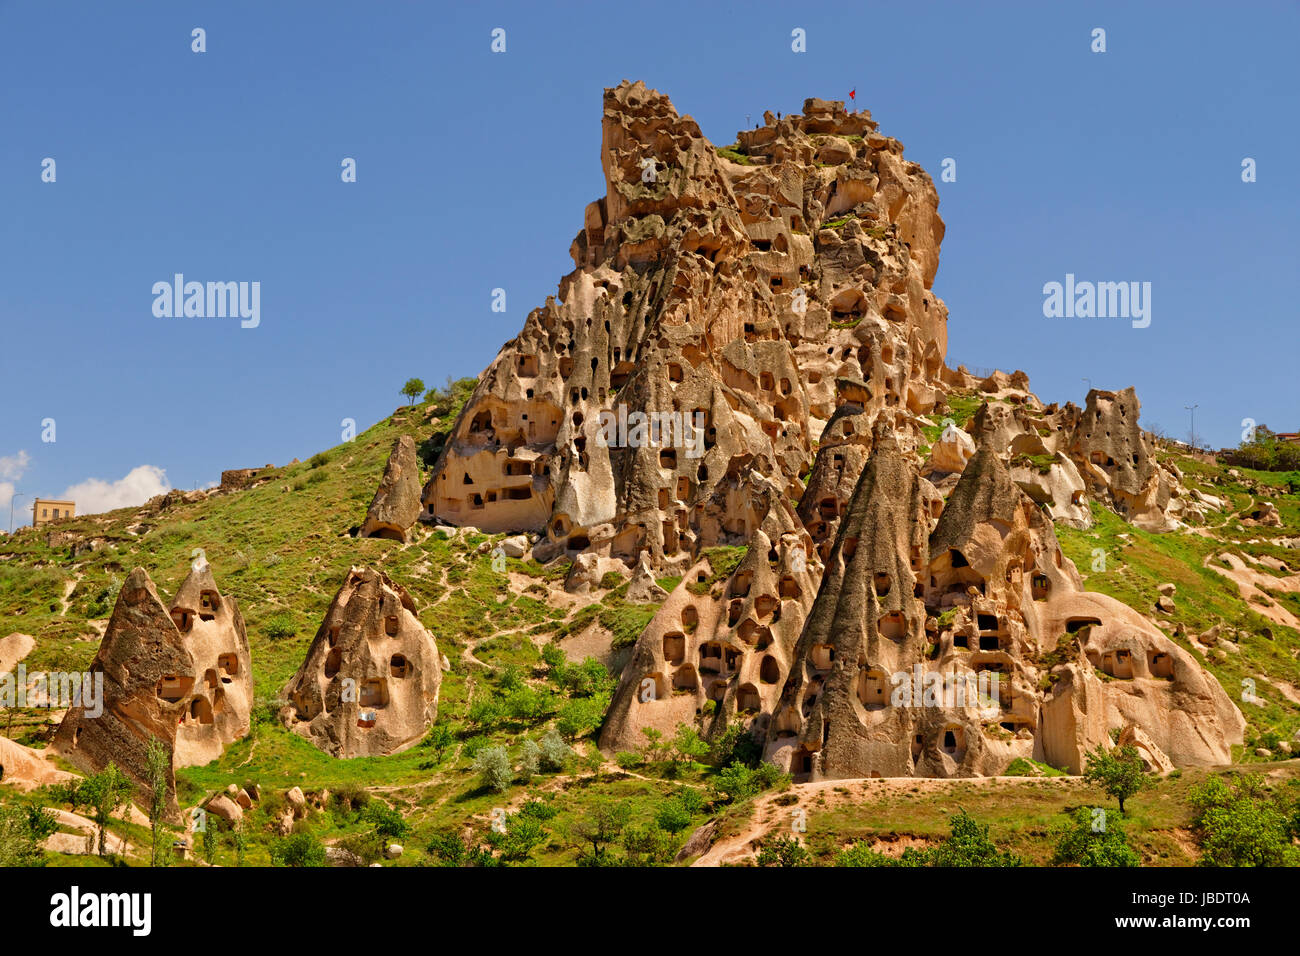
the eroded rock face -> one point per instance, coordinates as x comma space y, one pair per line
180, 675
396, 505
221, 699
369, 684
719, 653
753, 299
983, 647
1112, 455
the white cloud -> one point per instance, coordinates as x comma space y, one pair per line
140, 484
13, 466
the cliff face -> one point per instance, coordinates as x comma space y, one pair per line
752, 296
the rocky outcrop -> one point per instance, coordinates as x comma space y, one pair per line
178, 675
753, 298
369, 684
954, 652
396, 505
719, 648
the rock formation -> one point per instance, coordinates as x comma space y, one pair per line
396, 504
753, 290
1013, 660
369, 684
180, 675
718, 650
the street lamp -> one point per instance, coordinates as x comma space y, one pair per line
1192, 434
11, 511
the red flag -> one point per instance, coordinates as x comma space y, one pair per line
853, 94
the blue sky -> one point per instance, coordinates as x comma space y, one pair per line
473, 169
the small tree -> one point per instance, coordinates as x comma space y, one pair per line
413, 389
104, 792
492, 764
1119, 772
555, 752
601, 826
22, 831
968, 844
210, 840
784, 851
241, 844
157, 762
1091, 840
298, 849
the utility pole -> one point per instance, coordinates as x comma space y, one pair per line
1192, 435
1088, 382
11, 512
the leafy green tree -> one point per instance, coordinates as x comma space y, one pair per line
210, 839
104, 792
861, 855
647, 845
241, 844
967, 845
688, 747
672, 817
523, 834
158, 761
22, 831
413, 389
298, 850
1119, 772
1242, 825
492, 764
1089, 840
387, 822
784, 852
601, 827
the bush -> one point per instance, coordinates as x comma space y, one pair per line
968, 845
784, 851
298, 849
530, 760
493, 767
386, 821
582, 716
1242, 826
862, 855
1081, 844
555, 752
672, 816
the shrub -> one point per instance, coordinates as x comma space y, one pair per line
298, 849
530, 760
672, 816
492, 764
279, 626
555, 752
784, 851
1083, 844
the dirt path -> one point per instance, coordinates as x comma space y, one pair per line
769, 816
